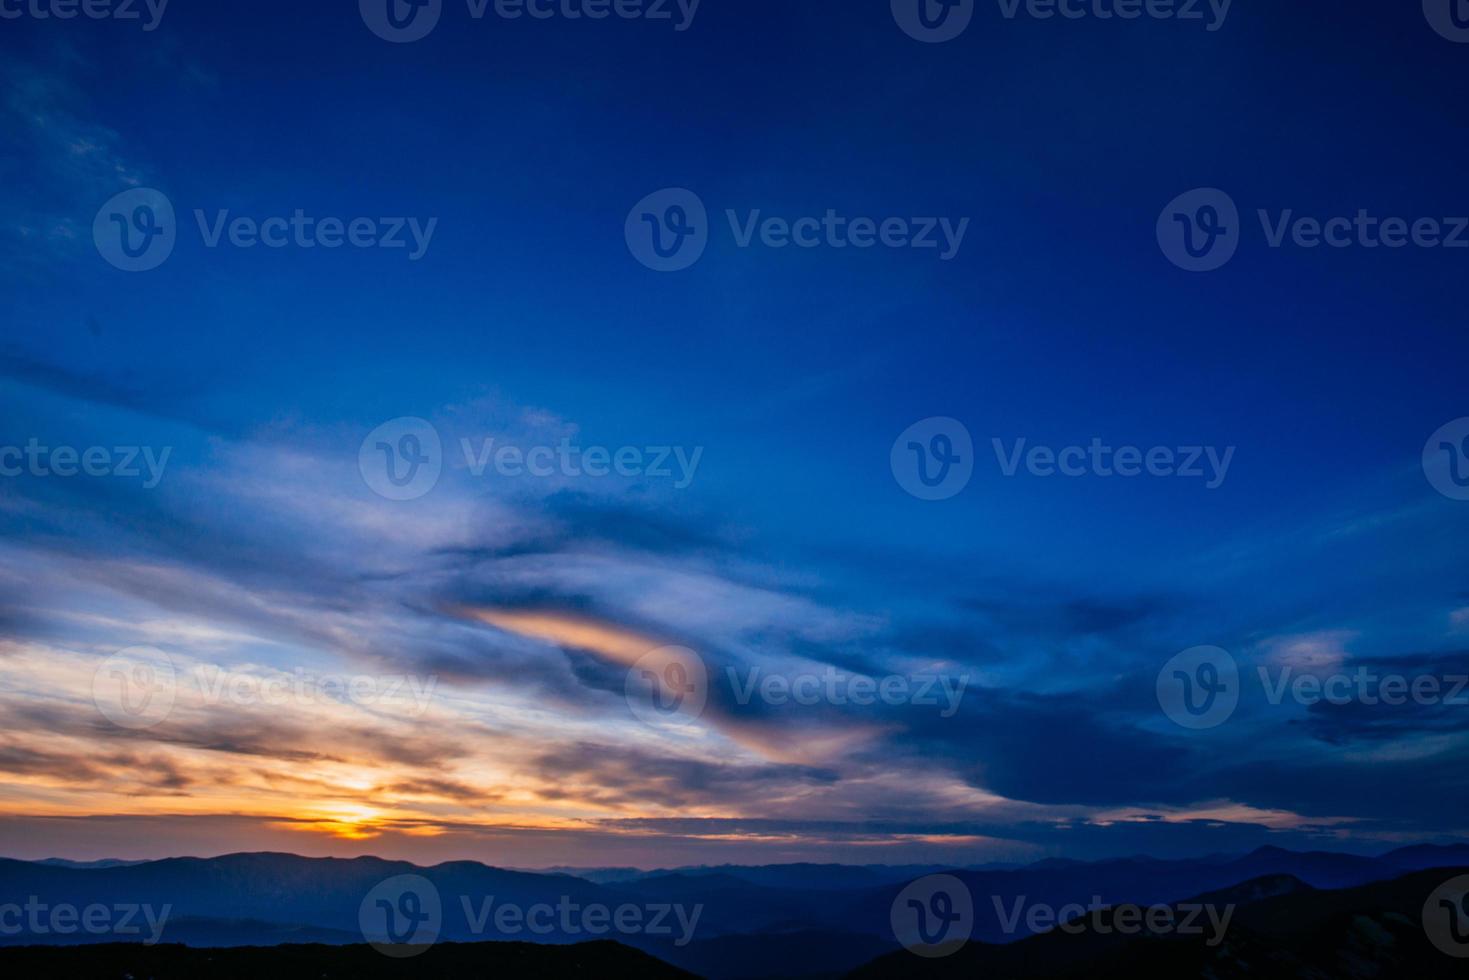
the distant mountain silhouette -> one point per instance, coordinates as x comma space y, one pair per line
790, 920
279, 891
821, 876
805, 876
1286, 929
103, 863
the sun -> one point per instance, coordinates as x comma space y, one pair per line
344, 821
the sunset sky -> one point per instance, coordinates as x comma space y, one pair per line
512, 607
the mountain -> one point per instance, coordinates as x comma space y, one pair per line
601, 876
103, 863
802, 875
1322, 869
1286, 929
313, 962
812, 877
1421, 857
737, 922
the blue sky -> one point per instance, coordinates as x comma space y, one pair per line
793, 547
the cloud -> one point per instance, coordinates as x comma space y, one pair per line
263, 553
65, 165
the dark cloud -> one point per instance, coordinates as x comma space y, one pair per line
1426, 695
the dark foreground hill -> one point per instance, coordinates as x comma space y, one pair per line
1281, 928
115, 961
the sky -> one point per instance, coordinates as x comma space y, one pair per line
765, 521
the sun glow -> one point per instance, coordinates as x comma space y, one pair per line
346, 821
